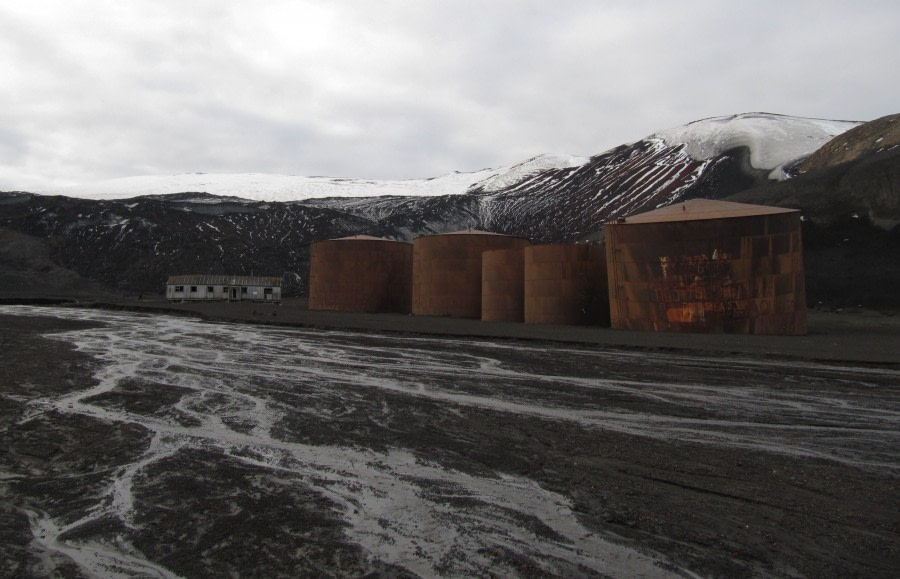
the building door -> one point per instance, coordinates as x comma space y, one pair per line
234, 293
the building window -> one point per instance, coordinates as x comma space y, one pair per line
244, 290
209, 289
193, 288
179, 288
267, 291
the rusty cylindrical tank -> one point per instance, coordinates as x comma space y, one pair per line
708, 266
566, 284
447, 271
503, 285
361, 274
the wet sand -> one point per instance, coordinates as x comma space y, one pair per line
425, 446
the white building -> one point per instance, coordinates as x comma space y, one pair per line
223, 288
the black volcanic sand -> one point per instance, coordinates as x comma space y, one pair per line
714, 510
59, 463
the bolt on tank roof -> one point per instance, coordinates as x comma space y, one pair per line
702, 209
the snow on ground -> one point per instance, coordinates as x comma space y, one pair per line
773, 140
533, 166
273, 187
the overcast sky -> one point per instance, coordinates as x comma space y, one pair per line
94, 90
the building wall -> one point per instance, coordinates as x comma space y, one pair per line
361, 275
447, 272
740, 274
566, 284
207, 292
503, 285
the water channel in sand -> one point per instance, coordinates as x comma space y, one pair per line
236, 384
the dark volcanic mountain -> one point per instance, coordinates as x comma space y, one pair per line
132, 246
61, 245
878, 136
851, 208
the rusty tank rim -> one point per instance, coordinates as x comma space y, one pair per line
366, 238
700, 210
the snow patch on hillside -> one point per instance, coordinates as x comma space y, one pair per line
533, 166
774, 140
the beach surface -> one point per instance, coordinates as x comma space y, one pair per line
204, 440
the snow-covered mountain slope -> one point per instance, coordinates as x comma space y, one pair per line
565, 199
274, 187
711, 158
773, 140
532, 167
573, 203
284, 188
679, 156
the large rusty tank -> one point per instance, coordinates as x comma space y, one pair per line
503, 285
447, 271
708, 266
566, 284
361, 274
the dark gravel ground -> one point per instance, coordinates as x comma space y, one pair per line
716, 510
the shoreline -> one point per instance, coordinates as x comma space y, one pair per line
865, 337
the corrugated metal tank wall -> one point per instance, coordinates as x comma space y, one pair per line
447, 271
741, 274
566, 284
503, 285
361, 274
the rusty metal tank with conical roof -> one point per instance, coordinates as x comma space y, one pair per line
361, 274
566, 284
447, 271
708, 266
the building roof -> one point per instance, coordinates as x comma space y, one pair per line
209, 279
701, 209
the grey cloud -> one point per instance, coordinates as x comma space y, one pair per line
401, 90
